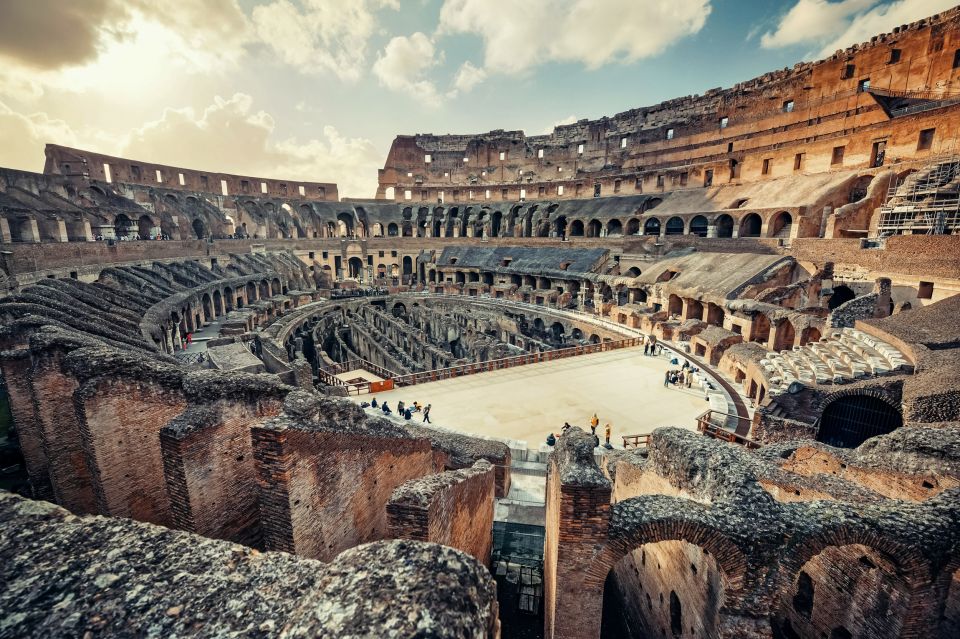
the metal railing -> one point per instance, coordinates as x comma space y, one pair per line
708, 424
510, 362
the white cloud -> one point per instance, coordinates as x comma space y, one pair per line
402, 64
837, 25
22, 138
521, 35
54, 44
230, 136
570, 119
326, 36
467, 77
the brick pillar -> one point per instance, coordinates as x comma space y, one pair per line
577, 521
53, 392
15, 364
210, 472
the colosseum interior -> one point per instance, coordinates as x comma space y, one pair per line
190, 357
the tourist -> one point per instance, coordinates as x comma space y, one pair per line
373, 403
400, 408
689, 378
189, 339
594, 422
566, 427
426, 414
417, 407
646, 349
385, 409
551, 439
606, 430
666, 378
407, 414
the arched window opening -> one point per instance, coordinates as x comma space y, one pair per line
698, 226
651, 227
849, 421
724, 225
674, 226
841, 295
750, 225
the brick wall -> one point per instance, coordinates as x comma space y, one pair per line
63, 445
120, 422
454, 508
847, 587
16, 365
662, 583
324, 491
577, 521
210, 472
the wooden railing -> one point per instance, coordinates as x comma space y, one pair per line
328, 375
707, 423
636, 441
509, 362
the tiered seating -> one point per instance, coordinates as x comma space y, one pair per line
841, 356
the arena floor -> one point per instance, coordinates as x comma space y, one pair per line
623, 387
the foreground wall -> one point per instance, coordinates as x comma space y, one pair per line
95, 576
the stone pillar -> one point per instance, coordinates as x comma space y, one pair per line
60, 234
577, 522
711, 230
5, 230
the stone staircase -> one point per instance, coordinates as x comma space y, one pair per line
842, 356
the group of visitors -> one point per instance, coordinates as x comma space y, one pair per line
682, 377
594, 423
403, 410
652, 348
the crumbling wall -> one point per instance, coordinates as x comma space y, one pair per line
95, 576
454, 508
326, 473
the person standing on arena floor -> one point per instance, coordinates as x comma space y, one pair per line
594, 422
607, 432
426, 414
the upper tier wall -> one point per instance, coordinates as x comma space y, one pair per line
87, 165
776, 124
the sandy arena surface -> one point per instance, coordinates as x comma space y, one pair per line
624, 388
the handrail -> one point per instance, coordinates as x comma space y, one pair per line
706, 426
510, 362
636, 441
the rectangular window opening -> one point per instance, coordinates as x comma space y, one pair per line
623, 142
925, 141
263, 187
223, 187
766, 166
895, 56
925, 291
302, 190
837, 157
848, 71
106, 173
669, 134
159, 176
788, 106
724, 121
183, 181
798, 161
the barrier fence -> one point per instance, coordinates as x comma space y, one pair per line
714, 424
510, 362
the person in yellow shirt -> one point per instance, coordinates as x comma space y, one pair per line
594, 422
607, 428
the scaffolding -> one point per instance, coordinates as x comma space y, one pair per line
926, 202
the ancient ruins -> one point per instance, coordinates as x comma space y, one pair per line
188, 358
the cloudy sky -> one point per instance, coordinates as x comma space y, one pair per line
317, 89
